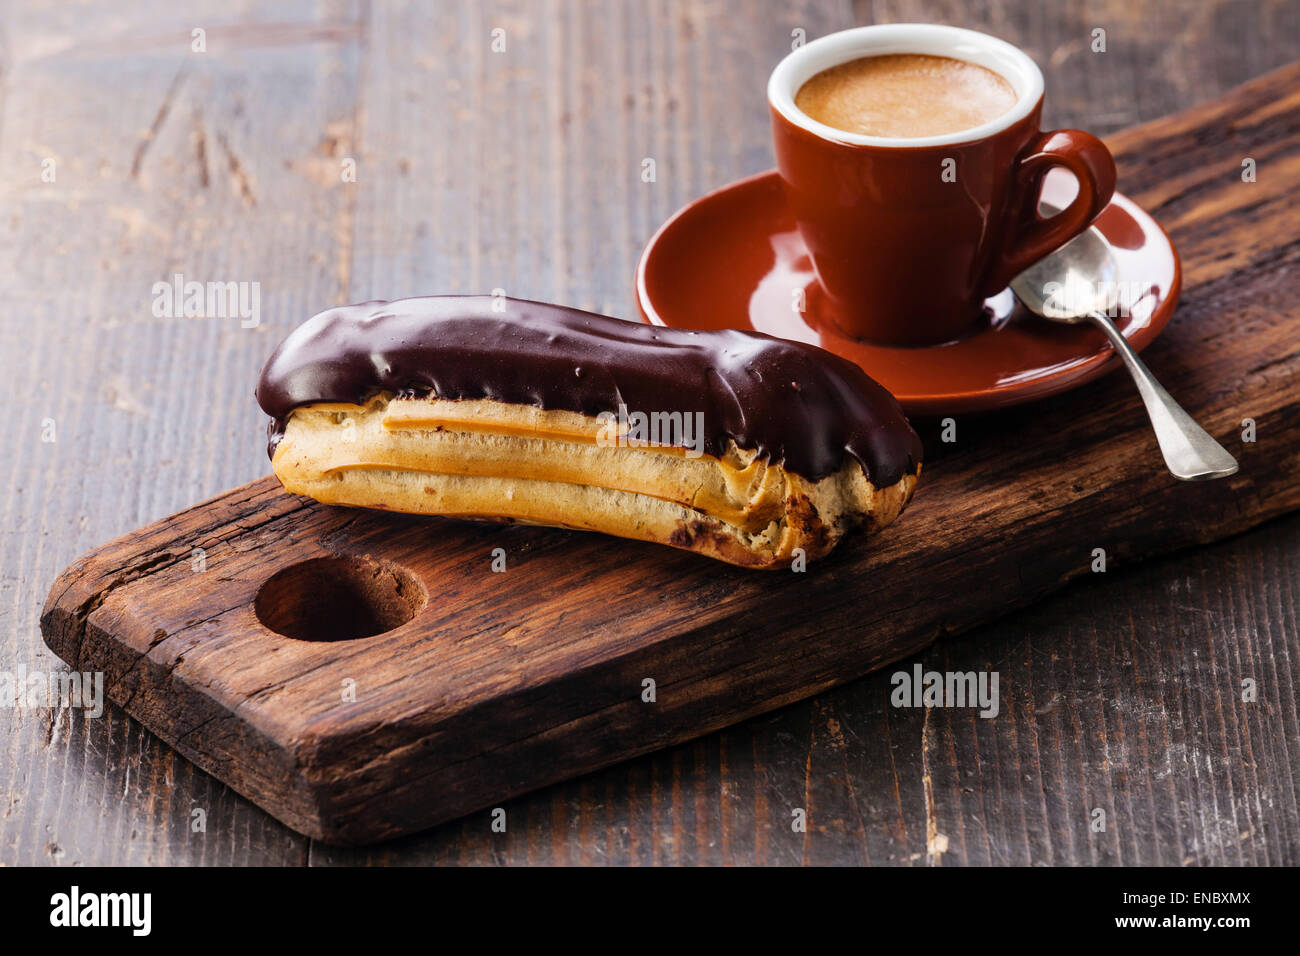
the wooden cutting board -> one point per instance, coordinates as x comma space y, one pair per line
504, 681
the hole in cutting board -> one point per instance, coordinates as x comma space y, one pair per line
339, 598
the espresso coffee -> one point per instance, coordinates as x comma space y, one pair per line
905, 95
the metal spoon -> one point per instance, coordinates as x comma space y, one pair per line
1071, 286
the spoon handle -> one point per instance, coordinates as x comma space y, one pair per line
1190, 451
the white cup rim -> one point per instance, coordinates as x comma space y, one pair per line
1009, 62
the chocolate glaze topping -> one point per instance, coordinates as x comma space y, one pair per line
801, 406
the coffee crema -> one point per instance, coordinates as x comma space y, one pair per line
905, 95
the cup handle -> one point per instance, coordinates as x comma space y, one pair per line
1032, 236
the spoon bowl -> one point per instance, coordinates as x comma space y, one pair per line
1072, 281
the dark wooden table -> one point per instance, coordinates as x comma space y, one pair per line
521, 170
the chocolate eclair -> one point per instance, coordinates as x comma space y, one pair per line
740, 446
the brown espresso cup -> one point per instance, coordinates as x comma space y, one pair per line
909, 236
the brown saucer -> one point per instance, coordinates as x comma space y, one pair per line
733, 259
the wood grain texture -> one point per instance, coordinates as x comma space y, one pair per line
155, 414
